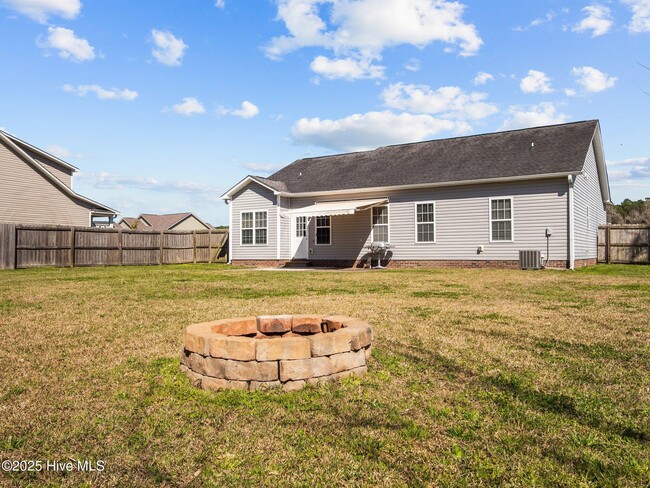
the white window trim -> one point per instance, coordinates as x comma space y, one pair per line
435, 223
254, 228
372, 225
316, 227
512, 219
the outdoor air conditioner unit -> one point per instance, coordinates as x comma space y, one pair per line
530, 259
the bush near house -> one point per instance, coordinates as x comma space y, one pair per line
490, 377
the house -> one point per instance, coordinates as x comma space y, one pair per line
466, 201
176, 221
36, 188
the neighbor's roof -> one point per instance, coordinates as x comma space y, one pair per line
557, 149
166, 221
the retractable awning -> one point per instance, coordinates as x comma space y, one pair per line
345, 207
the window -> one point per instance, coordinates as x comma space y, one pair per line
254, 228
588, 218
301, 226
425, 222
380, 223
501, 219
323, 231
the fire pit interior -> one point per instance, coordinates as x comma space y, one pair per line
274, 351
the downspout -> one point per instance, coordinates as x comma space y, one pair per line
571, 224
278, 227
230, 236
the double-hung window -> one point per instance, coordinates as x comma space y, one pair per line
254, 226
323, 230
380, 223
501, 219
425, 222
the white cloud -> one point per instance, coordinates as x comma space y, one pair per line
361, 29
367, 131
633, 168
545, 113
220, 3
412, 64
267, 168
482, 78
598, 20
593, 80
570, 92
41, 10
102, 93
110, 181
536, 82
550, 15
450, 102
350, 68
61, 152
169, 49
640, 15
69, 46
248, 110
190, 106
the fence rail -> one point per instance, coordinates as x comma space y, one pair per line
624, 244
27, 246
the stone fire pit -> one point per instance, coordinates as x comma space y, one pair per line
272, 351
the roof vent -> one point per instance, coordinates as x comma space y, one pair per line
532, 145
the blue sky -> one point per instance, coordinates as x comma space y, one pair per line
164, 105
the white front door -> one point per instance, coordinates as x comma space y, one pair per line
299, 240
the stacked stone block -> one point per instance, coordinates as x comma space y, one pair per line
277, 351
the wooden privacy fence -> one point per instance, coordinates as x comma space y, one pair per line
624, 244
26, 246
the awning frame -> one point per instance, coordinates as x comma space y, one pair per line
336, 207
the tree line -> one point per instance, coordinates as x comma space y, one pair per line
629, 212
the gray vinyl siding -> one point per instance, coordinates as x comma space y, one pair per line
587, 193
27, 197
64, 175
285, 230
254, 197
462, 223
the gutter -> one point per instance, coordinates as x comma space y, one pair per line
571, 242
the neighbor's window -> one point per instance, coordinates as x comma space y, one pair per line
253, 228
380, 223
323, 230
425, 222
501, 219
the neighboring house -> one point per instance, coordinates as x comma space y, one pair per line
36, 188
176, 221
465, 201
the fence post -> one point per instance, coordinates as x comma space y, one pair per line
120, 246
209, 246
7, 246
160, 255
194, 246
71, 251
608, 249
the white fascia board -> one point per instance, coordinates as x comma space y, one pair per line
249, 179
603, 177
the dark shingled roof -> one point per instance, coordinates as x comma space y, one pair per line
557, 149
164, 221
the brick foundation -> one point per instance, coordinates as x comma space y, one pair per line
401, 264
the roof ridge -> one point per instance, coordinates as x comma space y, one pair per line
483, 134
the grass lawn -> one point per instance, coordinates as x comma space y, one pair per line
478, 377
